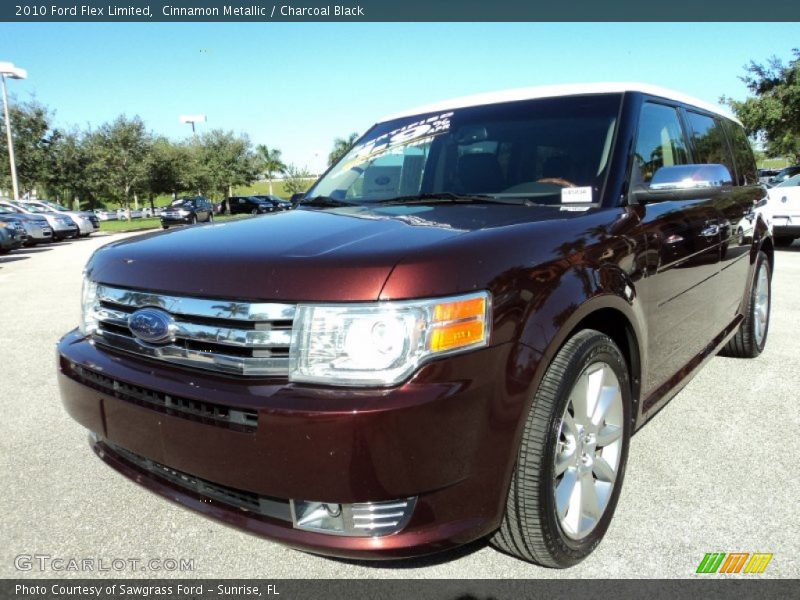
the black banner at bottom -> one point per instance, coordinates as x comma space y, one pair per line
380, 589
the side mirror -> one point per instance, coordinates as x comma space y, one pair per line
297, 198
685, 182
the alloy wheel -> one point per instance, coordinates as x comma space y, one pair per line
588, 450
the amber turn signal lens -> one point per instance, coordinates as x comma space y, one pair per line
457, 324
457, 335
461, 309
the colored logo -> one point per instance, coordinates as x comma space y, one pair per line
734, 562
152, 325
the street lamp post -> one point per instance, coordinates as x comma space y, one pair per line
9, 70
193, 119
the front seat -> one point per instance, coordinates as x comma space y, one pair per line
479, 173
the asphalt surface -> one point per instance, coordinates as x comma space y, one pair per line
715, 471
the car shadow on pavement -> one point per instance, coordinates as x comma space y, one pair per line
793, 248
431, 560
31, 250
8, 259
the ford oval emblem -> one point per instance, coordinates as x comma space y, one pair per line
152, 325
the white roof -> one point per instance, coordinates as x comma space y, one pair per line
551, 91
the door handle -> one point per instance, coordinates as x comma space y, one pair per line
710, 231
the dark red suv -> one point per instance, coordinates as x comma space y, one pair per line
454, 336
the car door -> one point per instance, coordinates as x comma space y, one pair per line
682, 239
713, 142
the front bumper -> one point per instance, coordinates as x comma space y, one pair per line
176, 220
448, 437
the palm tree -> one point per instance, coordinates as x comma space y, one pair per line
271, 162
341, 146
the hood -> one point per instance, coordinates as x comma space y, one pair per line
331, 255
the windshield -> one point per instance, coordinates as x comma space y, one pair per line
791, 182
181, 202
528, 150
32, 208
57, 206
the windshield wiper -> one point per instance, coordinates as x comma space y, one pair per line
325, 202
445, 197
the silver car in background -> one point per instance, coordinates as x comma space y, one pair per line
36, 227
84, 223
62, 225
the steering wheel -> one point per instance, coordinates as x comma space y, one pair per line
557, 181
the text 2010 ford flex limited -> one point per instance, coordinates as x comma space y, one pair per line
453, 337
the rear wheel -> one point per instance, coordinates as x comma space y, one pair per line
783, 241
751, 337
210, 218
572, 456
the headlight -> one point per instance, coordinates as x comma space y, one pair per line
183, 212
88, 299
382, 343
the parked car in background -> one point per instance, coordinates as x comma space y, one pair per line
252, 205
765, 175
135, 213
62, 225
8, 239
188, 211
277, 202
452, 338
36, 227
784, 174
105, 215
87, 215
783, 210
12, 222
85, 226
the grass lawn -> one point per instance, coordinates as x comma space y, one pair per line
145, 224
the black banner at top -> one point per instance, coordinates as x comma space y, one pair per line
398, 10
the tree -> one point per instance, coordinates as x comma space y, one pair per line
341, 146
119, 152
296, 179
270, 162
223, 161
773, 114
32, 135
69, 178
169, 168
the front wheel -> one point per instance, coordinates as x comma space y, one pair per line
193, 220
750, 339
572, 456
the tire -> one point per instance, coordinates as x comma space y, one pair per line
783, 241
750, 339
210, 218
254, 212
531, 528
193, 220
165, 227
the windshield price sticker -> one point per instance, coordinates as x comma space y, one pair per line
572, 195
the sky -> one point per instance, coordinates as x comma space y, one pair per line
297, 86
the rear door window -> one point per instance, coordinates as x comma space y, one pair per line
709, 142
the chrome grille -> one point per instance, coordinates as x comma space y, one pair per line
239, 338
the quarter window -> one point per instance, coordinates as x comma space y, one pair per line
743, 154
660, 142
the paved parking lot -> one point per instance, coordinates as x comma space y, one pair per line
716, 471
